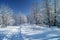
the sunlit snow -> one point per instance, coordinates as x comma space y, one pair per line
29, 32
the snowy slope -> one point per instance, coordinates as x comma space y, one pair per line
30, 32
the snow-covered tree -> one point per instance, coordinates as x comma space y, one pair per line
20, 19
30, 19
36, 16
51, 11
23, 19
45, 15
6, 15
0, 19
47, 12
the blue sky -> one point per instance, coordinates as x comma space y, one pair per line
19, 5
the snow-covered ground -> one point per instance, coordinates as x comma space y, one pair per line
29, 32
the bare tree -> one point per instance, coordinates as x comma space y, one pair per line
47, 12
55, 13
36, 13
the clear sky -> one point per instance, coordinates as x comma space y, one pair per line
19, 5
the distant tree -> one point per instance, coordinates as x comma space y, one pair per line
35, 12
47, 12
15, 18
30, 19
36, 16
23, 19
0, 19
55, 21
20, 19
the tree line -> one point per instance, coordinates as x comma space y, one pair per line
45, 14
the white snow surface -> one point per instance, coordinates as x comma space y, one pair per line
33, 32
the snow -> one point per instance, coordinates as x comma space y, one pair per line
31, 31
5, 39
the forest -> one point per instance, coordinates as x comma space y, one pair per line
46, 13
40, 22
